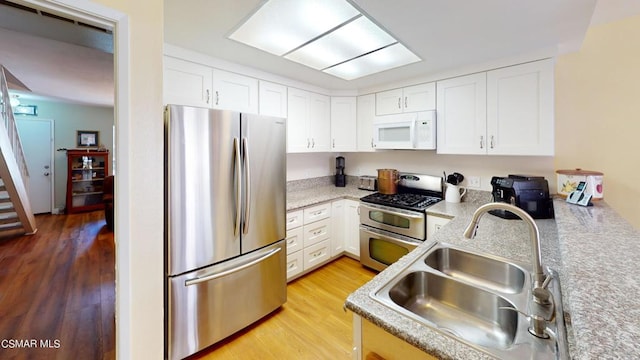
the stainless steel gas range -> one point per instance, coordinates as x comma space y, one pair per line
393, 225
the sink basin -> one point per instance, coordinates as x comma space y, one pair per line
463, 310
485, 271
464, 294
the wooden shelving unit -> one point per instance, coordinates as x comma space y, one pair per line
86, 170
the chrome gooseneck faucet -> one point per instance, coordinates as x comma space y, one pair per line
534, 234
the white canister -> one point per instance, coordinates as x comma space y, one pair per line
454, 193
568, 181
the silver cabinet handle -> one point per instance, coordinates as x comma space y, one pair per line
313, 143
308, 143
334, 143
399, 104
481, 142
217, 97
491, 141
230, 271
405, 102
237, 170
372, 143
208, 95
247, 187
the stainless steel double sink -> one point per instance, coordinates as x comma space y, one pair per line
479, 299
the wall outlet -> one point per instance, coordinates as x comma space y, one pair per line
473, 182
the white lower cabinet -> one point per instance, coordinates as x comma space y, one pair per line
434, 223
319, 233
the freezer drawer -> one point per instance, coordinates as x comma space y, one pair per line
208, 305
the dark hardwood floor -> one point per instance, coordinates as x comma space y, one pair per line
57, 301
57, 290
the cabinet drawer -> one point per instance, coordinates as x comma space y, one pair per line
317, 212
294, 239
316, 254
294, 264
294, 219
316, 232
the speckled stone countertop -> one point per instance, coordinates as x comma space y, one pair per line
594, 251
320, 190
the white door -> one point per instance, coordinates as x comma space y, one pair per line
343, 123
365, 114
37, 143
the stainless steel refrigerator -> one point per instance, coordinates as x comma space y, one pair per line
225, 178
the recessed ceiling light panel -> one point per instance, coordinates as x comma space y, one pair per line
388, 58
356, 38
280, 26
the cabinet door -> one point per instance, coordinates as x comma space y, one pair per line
366, 113
419, 97
186, 83
434, 223
389, 102
338, 222
343, 124
520, 109
297, 110
462, 115
273, 99
352, 225
235, 92
319, 126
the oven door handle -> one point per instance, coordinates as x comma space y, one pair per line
410, 216
390, 238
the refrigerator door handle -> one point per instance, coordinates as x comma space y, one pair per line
214, 276
247, 187
237, 168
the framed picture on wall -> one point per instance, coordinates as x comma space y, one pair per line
88, 138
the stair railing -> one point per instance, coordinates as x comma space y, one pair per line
13, 164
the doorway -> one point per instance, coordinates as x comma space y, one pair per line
37, 143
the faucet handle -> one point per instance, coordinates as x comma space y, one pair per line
538, 323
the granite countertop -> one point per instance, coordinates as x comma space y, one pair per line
593, 250
300, 198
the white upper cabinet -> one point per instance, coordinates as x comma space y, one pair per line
234, 92
273, 99
462, 115
508, 111
409, 99
520, 111
343, 123
186, 83
366, 113
308, 121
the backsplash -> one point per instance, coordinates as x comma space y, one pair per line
303, 184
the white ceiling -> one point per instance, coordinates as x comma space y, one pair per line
446, 34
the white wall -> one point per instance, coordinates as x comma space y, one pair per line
303, 166
67, 119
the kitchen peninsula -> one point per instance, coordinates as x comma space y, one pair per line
592, 248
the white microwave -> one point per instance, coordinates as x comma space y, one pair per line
416, 131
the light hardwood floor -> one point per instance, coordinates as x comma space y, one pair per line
60, 285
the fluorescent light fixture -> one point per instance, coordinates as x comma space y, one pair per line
280, 26
358, 37
384, 59
327, 35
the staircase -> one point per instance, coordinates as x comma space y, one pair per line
16, 217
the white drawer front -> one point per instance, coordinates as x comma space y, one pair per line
294, 239
294, 219
316, 254
316, 232
294, 264
318, 212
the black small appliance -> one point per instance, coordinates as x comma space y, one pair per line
341, 178
529, 193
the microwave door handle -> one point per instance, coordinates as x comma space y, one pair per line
237, 172
247, 187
